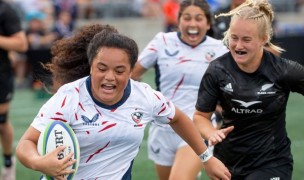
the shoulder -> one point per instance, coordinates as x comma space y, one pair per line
73, 90
140, 87
221, 63
210, 41
166, 36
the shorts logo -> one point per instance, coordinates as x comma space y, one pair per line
155, 151
137, 116
90, 122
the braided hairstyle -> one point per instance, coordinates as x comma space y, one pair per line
259, 11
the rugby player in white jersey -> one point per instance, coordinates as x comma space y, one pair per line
180, 60
108, 113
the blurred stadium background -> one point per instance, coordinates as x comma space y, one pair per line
132, 18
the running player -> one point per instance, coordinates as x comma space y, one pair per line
12, 38
108, 113
252, 86
180, 59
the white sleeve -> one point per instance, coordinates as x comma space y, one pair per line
163, 109
58, 107
149, 55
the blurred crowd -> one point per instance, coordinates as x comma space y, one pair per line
46, 21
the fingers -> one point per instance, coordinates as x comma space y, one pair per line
227, 130
219, 135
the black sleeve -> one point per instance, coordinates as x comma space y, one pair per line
208, 91
11, 21
294, 76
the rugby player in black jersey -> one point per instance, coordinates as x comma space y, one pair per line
252, 86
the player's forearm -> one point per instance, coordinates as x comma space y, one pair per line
203, 124
16, 42
185, 128
27, 154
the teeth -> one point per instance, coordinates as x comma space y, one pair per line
240, 52
192, 31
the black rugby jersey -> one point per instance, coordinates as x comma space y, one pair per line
9, 25
255, 104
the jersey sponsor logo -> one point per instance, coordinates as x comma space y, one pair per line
137, 116
246, 105
264, 89
90, 122
228, 87
155, 151
171, 54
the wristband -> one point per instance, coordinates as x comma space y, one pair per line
205, 156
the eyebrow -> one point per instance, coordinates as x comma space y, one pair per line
102, 64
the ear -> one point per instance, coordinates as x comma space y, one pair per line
264, 39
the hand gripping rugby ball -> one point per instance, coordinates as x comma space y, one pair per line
58, 133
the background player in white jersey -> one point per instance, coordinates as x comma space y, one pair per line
252, 86
108, 113
180, 60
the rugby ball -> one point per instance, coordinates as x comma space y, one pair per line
58, 133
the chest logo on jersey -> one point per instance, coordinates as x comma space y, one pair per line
246, 110
137, 116
210, 55
90, 122
265, 88
171, 54
228, 87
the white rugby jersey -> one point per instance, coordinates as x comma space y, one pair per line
179, 66
109, 136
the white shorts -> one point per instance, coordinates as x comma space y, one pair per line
163, 144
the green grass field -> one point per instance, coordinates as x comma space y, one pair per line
25, 106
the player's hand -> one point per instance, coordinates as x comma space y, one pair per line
216, 170
219, 135
52, 166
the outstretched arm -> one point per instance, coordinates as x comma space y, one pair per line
205, 127
185, 128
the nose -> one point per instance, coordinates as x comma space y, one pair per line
239, 45
109, 76
192, 22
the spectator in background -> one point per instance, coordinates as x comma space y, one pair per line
63, 25
12, 38
40, 40
152, 9
170, 9
70, 6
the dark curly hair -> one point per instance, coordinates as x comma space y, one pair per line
69, 56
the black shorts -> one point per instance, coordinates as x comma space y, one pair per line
6, 86
277, 173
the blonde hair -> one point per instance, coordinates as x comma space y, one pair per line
256, 10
